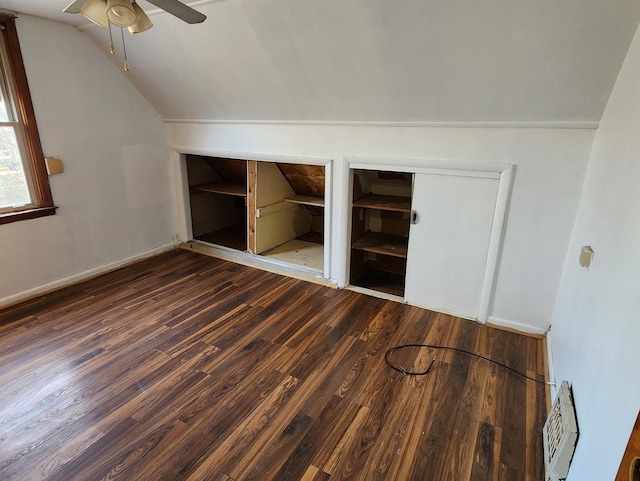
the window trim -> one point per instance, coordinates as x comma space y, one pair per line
34, 155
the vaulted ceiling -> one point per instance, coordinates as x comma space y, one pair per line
375, 60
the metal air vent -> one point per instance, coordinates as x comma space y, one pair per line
559, 435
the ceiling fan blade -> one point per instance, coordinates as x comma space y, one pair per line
75, 6
180, 10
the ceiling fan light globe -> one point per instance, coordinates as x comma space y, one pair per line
143, 23
121, 13
96, 11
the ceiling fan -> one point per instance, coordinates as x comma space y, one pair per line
127, 13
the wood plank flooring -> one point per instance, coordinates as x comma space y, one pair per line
186, 367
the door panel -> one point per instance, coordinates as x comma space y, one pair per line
449, 242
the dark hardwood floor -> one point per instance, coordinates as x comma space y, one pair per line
189, 367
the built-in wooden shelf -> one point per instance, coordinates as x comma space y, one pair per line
384, 202
306, 200
224, 187
234, 236
381, 243
382, 282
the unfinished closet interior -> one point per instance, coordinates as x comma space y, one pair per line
218, 200
381, 218
272, 209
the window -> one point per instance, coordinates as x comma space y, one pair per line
24, 184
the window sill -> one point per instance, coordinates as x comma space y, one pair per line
34, 213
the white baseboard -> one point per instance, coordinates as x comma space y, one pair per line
517, 326
553, 389
81, 276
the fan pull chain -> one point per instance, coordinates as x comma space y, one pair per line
124, 49
112, 49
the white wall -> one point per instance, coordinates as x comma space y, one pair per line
114, 196
551, 164
596, 325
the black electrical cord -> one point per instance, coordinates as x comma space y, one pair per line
436, 346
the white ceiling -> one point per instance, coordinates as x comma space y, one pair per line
377, 60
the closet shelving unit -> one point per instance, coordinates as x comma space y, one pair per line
218, 200
271, 209
381, 216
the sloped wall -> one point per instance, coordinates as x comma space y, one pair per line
379, 60
114, 196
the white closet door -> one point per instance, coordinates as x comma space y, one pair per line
449, 242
